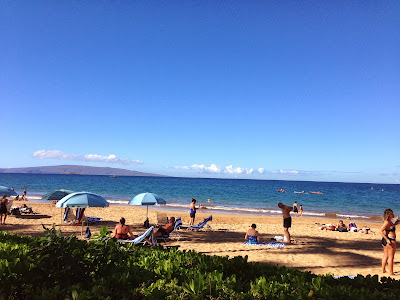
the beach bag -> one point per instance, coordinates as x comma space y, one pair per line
146, 224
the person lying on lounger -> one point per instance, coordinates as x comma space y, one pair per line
165, 229
121, 230
252, 235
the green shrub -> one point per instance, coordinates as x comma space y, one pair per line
57, 267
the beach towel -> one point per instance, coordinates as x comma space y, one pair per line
275, 245
88, 233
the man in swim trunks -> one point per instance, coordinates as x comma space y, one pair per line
287, 219
192, 211
165, 229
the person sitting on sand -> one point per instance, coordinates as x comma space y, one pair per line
341, 227
3, 209
252, 235
122, 230
165, 229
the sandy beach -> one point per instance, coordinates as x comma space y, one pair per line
314, 250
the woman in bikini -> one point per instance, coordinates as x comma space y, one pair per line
122, 230
388, 232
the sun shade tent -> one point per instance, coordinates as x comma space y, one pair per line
57, 194
147, 199
6, 190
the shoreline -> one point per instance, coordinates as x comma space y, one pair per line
318, 251
238, 210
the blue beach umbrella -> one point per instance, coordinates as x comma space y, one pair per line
57, 194
82, 199
147, 199
6, 190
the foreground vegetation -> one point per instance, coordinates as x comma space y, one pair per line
55, 267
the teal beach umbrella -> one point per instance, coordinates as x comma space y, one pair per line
82, 199
57, 194
147, 199
6, 190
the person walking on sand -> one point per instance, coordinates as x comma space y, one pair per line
287, 220
3, 209
192, 211
295, 208
301, 211
388, 242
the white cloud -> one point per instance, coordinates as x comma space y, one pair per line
57, 154
286, 172
261, 170
214, 169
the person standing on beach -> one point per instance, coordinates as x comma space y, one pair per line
301, 211
295, 209
192, 211
24, 195
388, 242
3, 209
287, 220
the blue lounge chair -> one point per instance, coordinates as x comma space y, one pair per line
145, 238
178, 223
201, 224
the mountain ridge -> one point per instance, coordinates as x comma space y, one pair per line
77, 169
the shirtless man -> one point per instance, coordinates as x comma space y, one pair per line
287, 219
192, 211
165, 229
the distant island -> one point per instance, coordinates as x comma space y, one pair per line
77, 170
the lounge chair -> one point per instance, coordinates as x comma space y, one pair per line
9, 204
178, 223
162, 218
145, 238
200, 225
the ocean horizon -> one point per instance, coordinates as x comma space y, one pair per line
242, 196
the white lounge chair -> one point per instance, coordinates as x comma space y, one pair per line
147, 237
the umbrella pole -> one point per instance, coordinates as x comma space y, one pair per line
147, 212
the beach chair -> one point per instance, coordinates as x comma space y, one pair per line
68, 215
9, 204
178, 223
145, 238
162, 218
201, 225
92, 220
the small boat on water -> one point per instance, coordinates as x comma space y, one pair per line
113, 176
281, 191
318, 192
302, 192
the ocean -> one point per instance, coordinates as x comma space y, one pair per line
338, 200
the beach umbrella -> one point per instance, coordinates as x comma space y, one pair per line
82, 199
6, 190
147, 199
57, 194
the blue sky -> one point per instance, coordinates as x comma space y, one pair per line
291, 90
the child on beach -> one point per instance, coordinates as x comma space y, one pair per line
388, 242
301, 211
